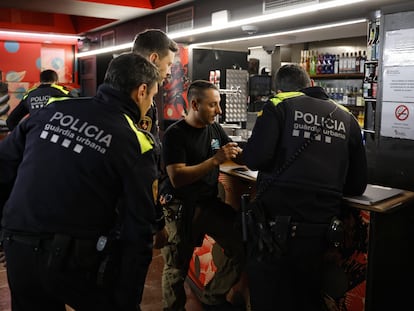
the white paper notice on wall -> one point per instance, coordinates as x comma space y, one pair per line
398, 84
398, 48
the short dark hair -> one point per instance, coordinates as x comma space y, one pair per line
153, 40
197, 88
291, 78
48, 76
130, 70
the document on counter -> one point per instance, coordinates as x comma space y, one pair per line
246, 172
374, 194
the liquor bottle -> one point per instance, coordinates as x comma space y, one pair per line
307, 61
361, 119
347, 64
358, 62
341, 63
312, 69
336, 64
352, 62
362, 62
359, 98
319, 65
345, 98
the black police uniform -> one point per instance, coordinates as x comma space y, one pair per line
33, 100
78, 166
309, 191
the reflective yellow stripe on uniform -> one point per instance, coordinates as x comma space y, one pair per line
144, 141
284, 95
280, 97
340, 106
55, 99
28, 91
60, 88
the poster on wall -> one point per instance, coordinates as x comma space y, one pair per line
397, 120
398, 84
175, 87
398, 48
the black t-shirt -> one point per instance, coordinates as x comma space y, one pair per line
183, 143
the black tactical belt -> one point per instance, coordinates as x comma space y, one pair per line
298, 229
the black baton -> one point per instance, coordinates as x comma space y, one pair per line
245, 199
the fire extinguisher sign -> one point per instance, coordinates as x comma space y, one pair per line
397, 120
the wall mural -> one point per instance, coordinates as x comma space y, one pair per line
175, 87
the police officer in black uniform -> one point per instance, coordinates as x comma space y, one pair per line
319, 147
78, 185
158, 48
37, 97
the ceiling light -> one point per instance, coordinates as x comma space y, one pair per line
264, 18
238, 23
15, 35
106, 50
319, 27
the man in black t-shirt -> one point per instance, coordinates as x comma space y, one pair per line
193, 150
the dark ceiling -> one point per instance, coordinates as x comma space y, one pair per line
82, 16
75, 17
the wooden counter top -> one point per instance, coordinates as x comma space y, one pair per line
386, 206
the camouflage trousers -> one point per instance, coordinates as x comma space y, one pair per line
218, 221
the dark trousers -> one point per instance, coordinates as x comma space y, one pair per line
35, 285
292, 282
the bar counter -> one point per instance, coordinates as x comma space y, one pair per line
376, 260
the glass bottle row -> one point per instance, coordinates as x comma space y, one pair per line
325, 63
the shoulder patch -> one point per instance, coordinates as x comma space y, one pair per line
144, 140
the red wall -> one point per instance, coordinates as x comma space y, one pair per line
22, 62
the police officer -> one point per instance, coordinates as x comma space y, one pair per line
37, 97
78, 185
319, 147
156, 47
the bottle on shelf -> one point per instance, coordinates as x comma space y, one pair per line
358, 62
336, 64
361, 119
362, 61
313, 61
341, 63
351, 62
345, 97
307, 61
359, 98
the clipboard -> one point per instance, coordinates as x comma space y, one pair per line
374, 194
